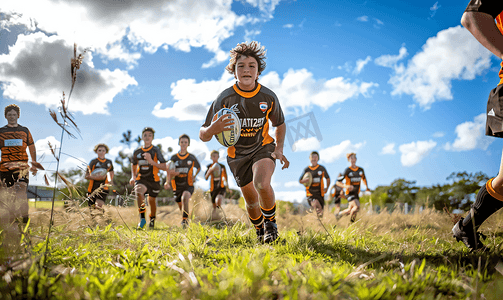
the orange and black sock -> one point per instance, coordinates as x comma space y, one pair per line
142, 210
258, 222
269, 213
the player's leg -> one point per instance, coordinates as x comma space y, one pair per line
317, 206
354, 209
22, 206
253, 208
262, 173
218, 200
139, 190
185, 203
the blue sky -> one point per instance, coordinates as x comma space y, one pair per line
403, 85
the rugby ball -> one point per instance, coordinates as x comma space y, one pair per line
308, 176
217, 171
99, 174
171, 165
230, 136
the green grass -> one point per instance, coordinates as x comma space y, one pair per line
385, 256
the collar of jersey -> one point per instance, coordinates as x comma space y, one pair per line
355, 169
104, 160
247, 94
182, 157
314, 168
146, 149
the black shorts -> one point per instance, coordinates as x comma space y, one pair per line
337, 200
352, 197
153, 187
11, 177
320, 199
101, 195
494, 114
217, 191
179, 192
241, 166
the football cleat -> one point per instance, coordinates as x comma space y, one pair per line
260, 234
270, 232
152, 222
471, 240
185, 223
142, 223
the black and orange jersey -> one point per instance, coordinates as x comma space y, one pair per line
99, 164
354, 177
317, 186
337, 190
13, 144
144, 169
493, 8
216, 181
185, 166
254, 109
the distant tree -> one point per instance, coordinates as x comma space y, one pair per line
400, 190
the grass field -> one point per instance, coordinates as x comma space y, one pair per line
45, 204
381, 256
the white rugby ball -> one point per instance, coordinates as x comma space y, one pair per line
99, 174
171, 165
217, 171
230, 136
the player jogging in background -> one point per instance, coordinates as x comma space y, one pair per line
479, 18
338, 194
14, 168
353, 177
317, 190
182, 182
217, 183
253, 158
96, 199
146, 163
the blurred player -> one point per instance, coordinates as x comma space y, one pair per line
338, 194
146, 163
183, 181
317, 190
217, 183
253, 159
14, 168
353, 176
98, 198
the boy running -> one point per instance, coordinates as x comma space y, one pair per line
97, 199
217, 182
14, 139
353, 176
253, 159
338, 194
316, 191
146, 163
184, 178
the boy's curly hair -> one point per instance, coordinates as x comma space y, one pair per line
348, 156
12, 107
101, 145
251, 49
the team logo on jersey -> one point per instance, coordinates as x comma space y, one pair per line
361, 173
263, 106
319, 173
235, 108
189, 162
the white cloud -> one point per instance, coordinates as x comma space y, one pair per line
251, 34
292, 196
470, 135
433, 9
297, 89
451, 54
414, 152
333, 153
391, 60
363, 19
147, 24
288, 26
37, 70
292, 184
309, 144
360, 64
11, 19
439, 134
389, 149
43, 148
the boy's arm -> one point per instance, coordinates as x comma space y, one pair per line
484, 29
278, 151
